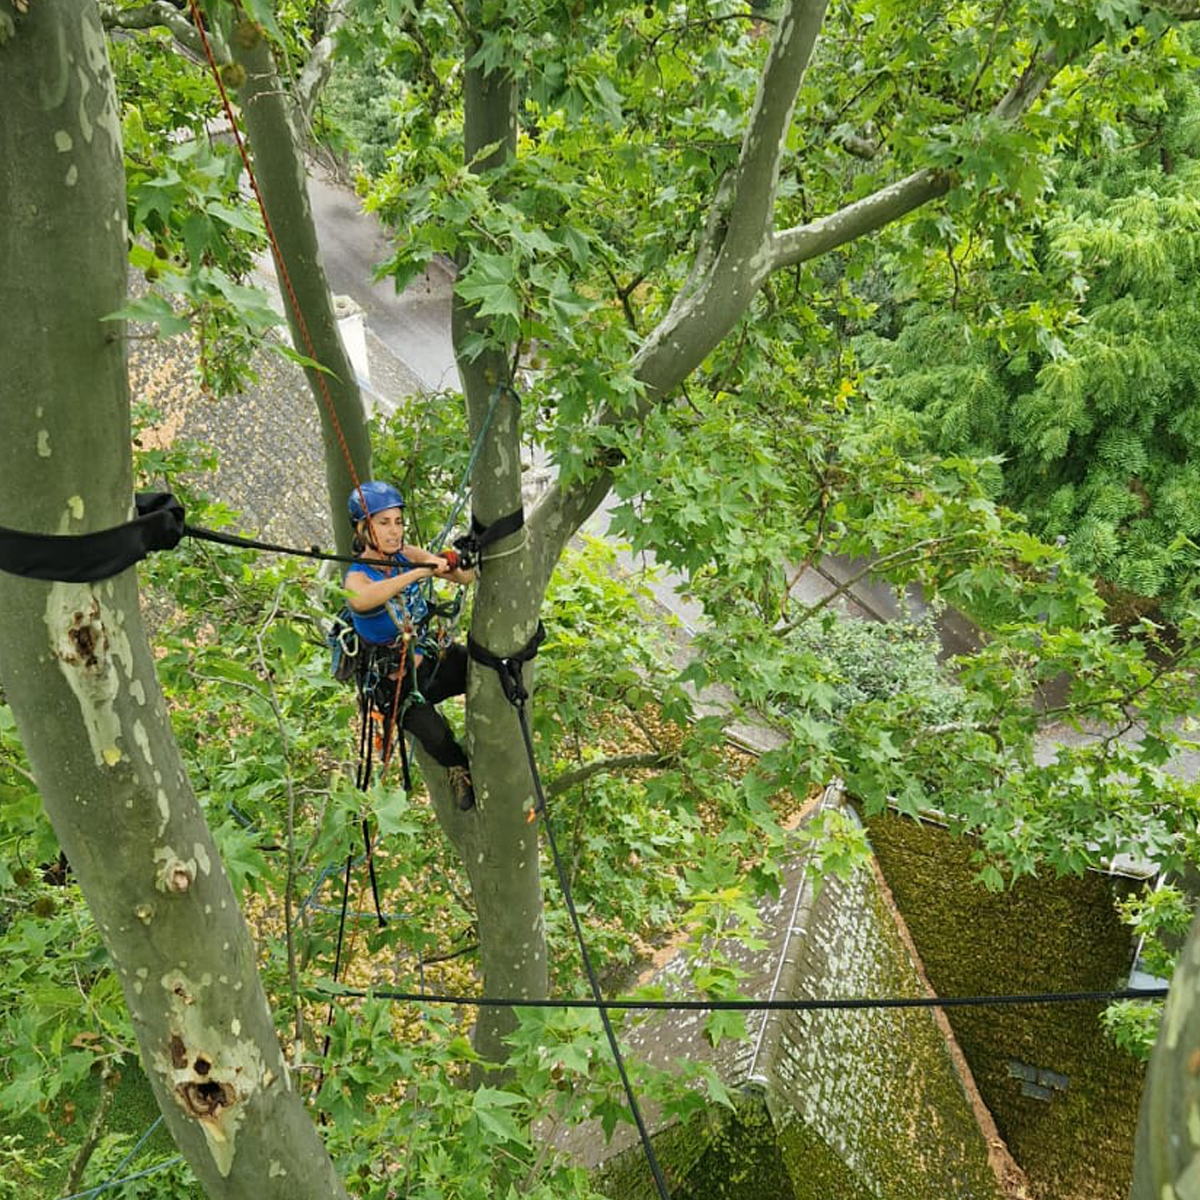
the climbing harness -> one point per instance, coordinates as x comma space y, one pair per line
510, 670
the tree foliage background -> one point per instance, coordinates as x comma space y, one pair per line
1075, 364
753, 444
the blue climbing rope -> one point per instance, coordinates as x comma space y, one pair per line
464, 487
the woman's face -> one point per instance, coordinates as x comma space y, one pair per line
388, 529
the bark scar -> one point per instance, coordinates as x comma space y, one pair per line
204, 1099
87, 638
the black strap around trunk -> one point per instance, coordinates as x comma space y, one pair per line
472, 545
88, 557
509, 667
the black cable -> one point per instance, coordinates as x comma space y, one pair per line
337, 966
594, 983
854, 1003
242, 543
366, 832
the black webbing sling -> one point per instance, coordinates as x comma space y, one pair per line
472, 545
88, 557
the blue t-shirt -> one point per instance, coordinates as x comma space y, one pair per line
384, 625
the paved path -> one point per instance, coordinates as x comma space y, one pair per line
415, 325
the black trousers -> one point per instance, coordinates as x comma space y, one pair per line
438, 678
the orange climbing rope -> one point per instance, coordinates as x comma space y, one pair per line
327, 397
281, 266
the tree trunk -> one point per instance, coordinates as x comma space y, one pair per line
1167, 1152
76, 668
500, 849
281, 173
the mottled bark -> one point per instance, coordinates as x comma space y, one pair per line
74, 662
502, 858
1167, 1152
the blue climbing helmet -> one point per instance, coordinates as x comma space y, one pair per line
377, 496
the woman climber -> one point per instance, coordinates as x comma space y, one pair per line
389, 611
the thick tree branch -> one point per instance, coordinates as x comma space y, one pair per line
652, 760
737, 255
757, 175
1163, 1153
159, 14
864, 216
730, 264
896, 200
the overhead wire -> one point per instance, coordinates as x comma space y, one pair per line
634, 1004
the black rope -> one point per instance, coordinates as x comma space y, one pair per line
337, 966
997, 1001
509, 670
366, 747
366, 832
243, 543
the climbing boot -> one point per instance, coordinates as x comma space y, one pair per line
460, 785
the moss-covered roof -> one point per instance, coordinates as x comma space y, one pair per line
1041, 935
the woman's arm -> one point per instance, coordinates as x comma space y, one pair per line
365, 593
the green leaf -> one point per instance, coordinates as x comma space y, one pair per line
489, 283
394, 813
301, 360
233, 217
198, 235
153, 309
490, 1108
